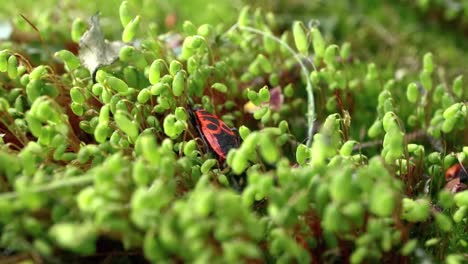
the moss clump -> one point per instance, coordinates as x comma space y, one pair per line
98, 150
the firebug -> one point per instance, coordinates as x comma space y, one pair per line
218, 137
214, 132
457, 178
456, 171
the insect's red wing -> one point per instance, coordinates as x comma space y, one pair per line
452, 171
218, 135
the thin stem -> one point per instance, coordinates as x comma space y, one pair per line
305, 72
51, 186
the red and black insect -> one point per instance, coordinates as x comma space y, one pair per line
214, 132
457, 178
219, 138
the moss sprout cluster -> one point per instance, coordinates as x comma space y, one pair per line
342, 158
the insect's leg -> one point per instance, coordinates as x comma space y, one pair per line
234, 184
237, 182
205, 144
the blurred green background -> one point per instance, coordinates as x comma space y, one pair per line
391, 33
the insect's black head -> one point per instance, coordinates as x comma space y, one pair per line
463, 175
191, 111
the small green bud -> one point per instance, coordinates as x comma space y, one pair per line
79, 238
432, 242
460, 214
345, 51
12, 68
302, 154
77, 108
244, 132
427, 62
116, 84
333, 221
197, 42
190, 147
4, 60
170, 127
76, 95
412, 120
181, 114
4, 105
457, 86
426, 80
126, 125
359, 255
376, 129
445, 199
389, 122
261, 112
207, 165
443, 222
220, 87
38, 72
124, 13
300, 37
70, 60
341, 187
284, 126
19, 105
189, 28
347, 148
355, 210
178, 83
252, 95
192, 65
412, 92
140, 174
127, 53
115, 138
97, 89
318, 42
289, 91
455, 258
243, 19
149, 148
448, 125
130, 29
101, 132
461, 198
450, 112
382, 200
239, 162
175, 67
330, 56
264, 94
143, 96
159, 89
78, 29
416, 211
372, 72
106, 96
155, 72
268, 149
167, 79
409, 247
205, 30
